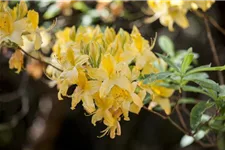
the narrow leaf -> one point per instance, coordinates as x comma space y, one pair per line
207, 83
166, 45
169, 62
186, 62
222, 91
201, 79
196, 75
197, 112
206, 68
187, 101
154, 77
188, 88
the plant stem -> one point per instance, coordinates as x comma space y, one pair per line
177, 126
40, 60
211, 20
156, 113
181, 119
213, 49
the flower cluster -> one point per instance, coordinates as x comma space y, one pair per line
106, 68
19, 29
170, 11
18, 24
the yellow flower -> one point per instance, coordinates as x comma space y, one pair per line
110, 118
174, 11
85, 91
159, 95
18, 25
32, 28
16, 61
105, 67
142, 49
11, 29
107, 72
204, 4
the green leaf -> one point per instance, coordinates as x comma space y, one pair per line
197, 112
221, 141
166, 45
196, 75
187, 101
186, 62
179, 57
207, 83
147, 99
217, 125
154, 77
222, 91
80, 6
220, 118
213, 94
52, 11
206, 68
169, 62
169, 85
189, 88
201, 79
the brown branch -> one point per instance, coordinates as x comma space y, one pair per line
185, 131
186, 111
211, 20
213, 49
181, 119
40, 60
177, 126
154, 112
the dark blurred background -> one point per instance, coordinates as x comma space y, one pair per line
32, 118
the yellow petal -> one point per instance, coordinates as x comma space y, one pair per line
38, 41
163, 102
123, 83
16, 61
63, 87
137, 100
33, 18
108, 63
22, 9
96, 73
97, 116
105, 88
182, 20
162, 91
76, 97
88, 103
92, 87
108, 119
134, 108
125, 109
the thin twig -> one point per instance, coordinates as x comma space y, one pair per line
205, 145
156, 113
186, 111
213, 48
181, 119
40, 60
177, 126
211, 20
